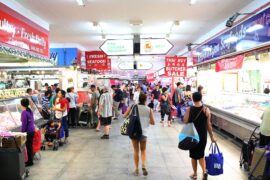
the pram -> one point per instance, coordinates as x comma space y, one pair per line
51, 138
247, 150
84, 116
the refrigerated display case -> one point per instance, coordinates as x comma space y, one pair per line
10, 114
237, 113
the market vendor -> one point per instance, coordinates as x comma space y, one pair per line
265, 128
28, 127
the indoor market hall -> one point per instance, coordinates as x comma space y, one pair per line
134, 90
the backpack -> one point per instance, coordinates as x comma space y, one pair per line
134, 127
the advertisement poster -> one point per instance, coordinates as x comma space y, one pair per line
176, 66
97, 60
230, 63
150, 77
65, 56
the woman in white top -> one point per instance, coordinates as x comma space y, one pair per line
137, 94
146, 118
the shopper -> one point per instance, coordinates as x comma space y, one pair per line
94, 105
188, 96
61, 111
165, 107
265, 128
105, 111
202, 125
155, 97
73, 97
137, 94
30, 94
125, 95
46, 105
27, 118
117, 98
179, 94
200, 89
146, 118
266, 91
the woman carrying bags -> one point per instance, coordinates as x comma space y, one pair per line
165, 107
146, 117
202, 122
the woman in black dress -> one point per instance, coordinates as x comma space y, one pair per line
202, 124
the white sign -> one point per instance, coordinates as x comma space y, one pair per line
126, 65
117, 47
155, 46
144, 65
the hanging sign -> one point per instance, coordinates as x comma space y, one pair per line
20, 32
176, 66
150, 77
230, 63
142, 65
155, 46
96, 60
117, 47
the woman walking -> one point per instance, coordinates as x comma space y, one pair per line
165, 107
28, 126
146, 118
202, 123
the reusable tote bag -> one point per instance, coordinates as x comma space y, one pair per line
214, 161
189, 137
124, 126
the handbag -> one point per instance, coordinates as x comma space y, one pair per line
189, 137
124, 126
214, 161
134, 129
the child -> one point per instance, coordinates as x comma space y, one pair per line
51, 131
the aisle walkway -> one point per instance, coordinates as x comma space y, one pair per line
89, 157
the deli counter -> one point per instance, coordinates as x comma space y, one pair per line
10, 114
237, 113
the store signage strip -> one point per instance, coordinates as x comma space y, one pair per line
22, 34
155, 46
117, 47
176, 66
230, 63
243, 37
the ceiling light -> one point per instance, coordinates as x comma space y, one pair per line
191, 2
254, 28
81, 2
207, 49
231, 39
176, 23
198, 53
136, 22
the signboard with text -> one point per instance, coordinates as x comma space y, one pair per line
97, 60
118, 47
176, 66
230, 63
150, 77
155, 46
20, 32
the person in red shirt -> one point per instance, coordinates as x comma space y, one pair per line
61, 111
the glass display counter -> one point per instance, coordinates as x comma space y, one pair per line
10, 114
237, 113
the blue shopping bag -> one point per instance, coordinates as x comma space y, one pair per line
215, 161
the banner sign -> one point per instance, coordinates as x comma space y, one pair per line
118, 47
244, 36
150, 77
20, 32
230, 63
97, 60
176, 66
155, 46
65, 56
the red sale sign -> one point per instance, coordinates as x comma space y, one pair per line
230, 63
150, 77
97, 60
176, 66
18, 31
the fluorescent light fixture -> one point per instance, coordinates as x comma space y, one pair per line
116, 36
231, 39
254, 28
207, 49
198, 53
80, 2
191, 2
136, 22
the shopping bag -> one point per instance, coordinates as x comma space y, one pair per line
188, 137
124, 127
214, 161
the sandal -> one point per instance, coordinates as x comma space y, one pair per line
205, 175
136, 172
145, 173
193, 176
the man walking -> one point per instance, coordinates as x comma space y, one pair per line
117, 98
94, 105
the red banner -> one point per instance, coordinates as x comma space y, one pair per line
97, 60
176, 66
230, 63
18, 31
150, 77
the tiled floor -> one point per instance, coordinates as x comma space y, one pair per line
89, 157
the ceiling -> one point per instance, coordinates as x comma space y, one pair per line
70, 23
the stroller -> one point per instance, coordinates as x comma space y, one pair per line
247, 150
84, 116
51, 136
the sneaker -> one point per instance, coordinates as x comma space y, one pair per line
105, 137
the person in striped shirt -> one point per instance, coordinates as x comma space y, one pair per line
46, 104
